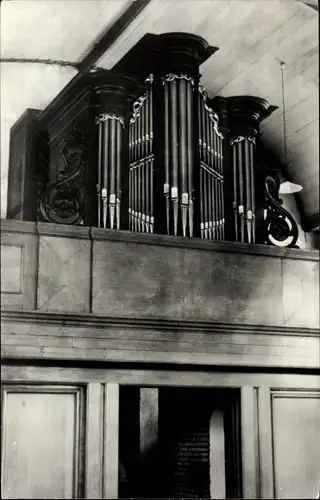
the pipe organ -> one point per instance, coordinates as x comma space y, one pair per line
159, 156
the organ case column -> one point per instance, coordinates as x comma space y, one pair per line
245, 114
110, 103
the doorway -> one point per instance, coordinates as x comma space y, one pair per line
179, 442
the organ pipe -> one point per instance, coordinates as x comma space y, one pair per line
110, 130
244, 188
211, 171
178, 92
190, 154
166, 186
141, 163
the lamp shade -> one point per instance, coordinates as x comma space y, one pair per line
288, 187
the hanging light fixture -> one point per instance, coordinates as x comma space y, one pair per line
286, 187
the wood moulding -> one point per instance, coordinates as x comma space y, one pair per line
163, 325
97, 234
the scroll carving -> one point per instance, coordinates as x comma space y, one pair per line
279, 225
62, 200
106, 116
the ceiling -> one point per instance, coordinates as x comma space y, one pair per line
253, 36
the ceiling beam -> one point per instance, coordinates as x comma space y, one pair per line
36, 60
112, 33
314, 4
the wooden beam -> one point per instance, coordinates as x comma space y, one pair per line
313, 4
112, 34
36, 60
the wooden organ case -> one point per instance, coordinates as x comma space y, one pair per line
143, 148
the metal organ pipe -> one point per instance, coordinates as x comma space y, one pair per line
183, 153
141, 163
253, 208
190, 153
166, 186
100, 146
118, 173
112, 198
105, 172
241, 191
151, 160
244, 188
147, 109
174, 154
211, 171
248, 189
110, 130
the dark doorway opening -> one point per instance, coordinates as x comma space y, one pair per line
180, 442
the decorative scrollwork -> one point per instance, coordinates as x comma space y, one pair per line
237, 139
106, 116
62, 200
280, 228
212, 115
149, 79
171, 77
138, 103
240, 138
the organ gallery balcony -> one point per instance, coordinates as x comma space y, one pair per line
126, 296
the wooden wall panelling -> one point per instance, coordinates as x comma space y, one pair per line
64, 282
300, 308
180, 284
296, 436
19, 262
42, 428
94, 441
111, 441
249, 442
102, 440
265, 443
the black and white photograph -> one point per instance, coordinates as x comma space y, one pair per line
160, 247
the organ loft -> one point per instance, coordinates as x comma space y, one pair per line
161, 329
